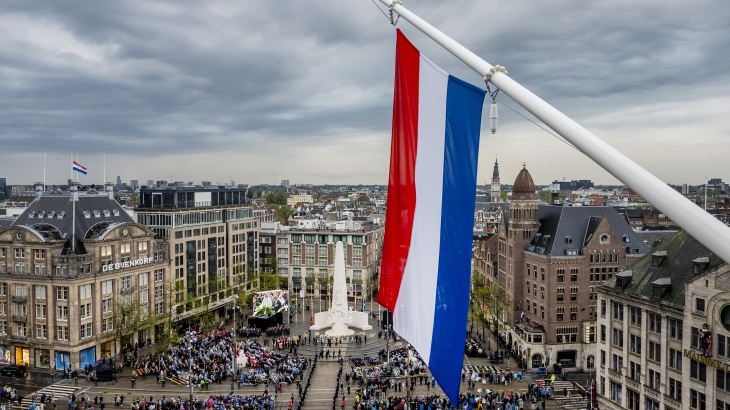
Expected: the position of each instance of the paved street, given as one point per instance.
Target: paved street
(320, 395)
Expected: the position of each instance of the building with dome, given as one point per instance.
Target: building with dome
(70, 264)
(550, 260)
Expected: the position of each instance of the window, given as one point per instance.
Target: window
(159, 275)
(618, 337)
(40, 292)
(723, 346)
(126, 282)
(40, 311)
(296, 249)
(107, 306)
(695, 338)
(3, 308)
(633, 400)
(282, 251)
(85, 291)
(603, 308)
(603, 357)
(296, 260)
(698, 371)
(699, 304)
(143, 279)
(322, 261)
(3, 328)
(651, 404)
(635, 316)
(603, 333)
(159, 291)
(125, 248)
(654, 379)
(106, 287)
(675, 389)
(310, 260)
(697, 400)
(357, 240)
(323, 249)
(107, 325)
(86, 311)
(615, 390)
(61, 292)
(618, 363)
(635, 344)
(19, 253)
(284, 261)
(309, 248)
(655, 351)
(560, 294)
(62, 313)
(86, 330)
(62, 332)
(722, 380)
(675, 329)
(282, 241)
(634, 371)
(357, 262)
(655, 323)
(41, 331)
(618, 311)
(61, 271)
(143, 296)
(675, 359)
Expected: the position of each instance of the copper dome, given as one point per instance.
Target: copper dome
(524, 188)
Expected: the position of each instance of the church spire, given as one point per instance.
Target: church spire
(495, 174)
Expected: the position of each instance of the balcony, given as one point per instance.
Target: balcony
(614, 374)
(128, 289)
(296, 279)
(20, 338)
(20, 318)
(19, 298)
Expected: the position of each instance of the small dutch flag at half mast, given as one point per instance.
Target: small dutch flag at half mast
(79, 168)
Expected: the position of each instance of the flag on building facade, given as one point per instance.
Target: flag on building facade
(79, 168)
(426, 263)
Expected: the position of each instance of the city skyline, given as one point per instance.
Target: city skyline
(159, 99)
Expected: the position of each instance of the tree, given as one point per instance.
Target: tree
(259, 194)
(363, 198)
(269, 281)
(277, 198)
(127, 317)
(249, 194)
(503, 195)
(283, 212)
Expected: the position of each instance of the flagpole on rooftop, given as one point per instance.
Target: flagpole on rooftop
(704, 227)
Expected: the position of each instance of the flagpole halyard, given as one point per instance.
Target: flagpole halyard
(704, 227)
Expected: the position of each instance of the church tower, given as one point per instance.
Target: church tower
(496, 187)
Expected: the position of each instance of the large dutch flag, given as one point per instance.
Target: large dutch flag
(79, 168)
(426, 264)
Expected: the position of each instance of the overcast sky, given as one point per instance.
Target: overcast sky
(302, 90)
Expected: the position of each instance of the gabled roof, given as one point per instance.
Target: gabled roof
(558, 223)
(676, 269)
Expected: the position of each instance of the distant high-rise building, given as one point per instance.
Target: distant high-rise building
(206, 184)
(685, 189)
(285, 183)
(119, 180)
(2, 189)
(232, 183)
(134, 183)
(162, 184)
(150, 183)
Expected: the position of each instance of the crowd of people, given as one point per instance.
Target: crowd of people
(249, 331)
(405, 361)
(228, 402)
(278, 330)
(503, 377)
(269, 367)
(505, 401)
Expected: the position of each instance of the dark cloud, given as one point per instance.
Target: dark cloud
(183, 79)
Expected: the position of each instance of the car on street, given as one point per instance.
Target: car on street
(12, 370)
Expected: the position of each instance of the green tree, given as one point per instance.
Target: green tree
(277, 198)
(503, 195)
(283, 212)
(249, 194)
(363, 198)
(269, 281)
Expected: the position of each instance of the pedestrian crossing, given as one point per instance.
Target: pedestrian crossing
(572, 403)
(481, 369)
(559, 385)
(60, 392)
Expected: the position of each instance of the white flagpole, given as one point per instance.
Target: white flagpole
(44, 170)
(704, 227)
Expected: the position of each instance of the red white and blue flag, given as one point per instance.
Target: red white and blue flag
(426, 264)
(79, 168)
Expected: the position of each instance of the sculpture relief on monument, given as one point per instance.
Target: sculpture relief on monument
(340, 317)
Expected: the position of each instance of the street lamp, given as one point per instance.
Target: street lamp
(235, 348)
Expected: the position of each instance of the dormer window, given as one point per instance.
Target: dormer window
(627, 238)
(658, 257)
(661, 287)
(107, 213)
(41, 214)
(61, 214)
(700, 264)
(571, 252)
(87, 214)
(116, 212)
(97, 214)
(51, 214)
(623, 278)
(568, 239)
(545, 239)
(31, 214)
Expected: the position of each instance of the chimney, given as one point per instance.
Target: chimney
(554, 197)
(109, 188)
(38, 190)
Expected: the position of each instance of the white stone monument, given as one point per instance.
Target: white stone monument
(340, 317)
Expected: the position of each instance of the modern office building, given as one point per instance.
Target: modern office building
(134, 183)
(213, 238)
(72, 266)
(3, 194)
(665, 331)
(305, 254)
